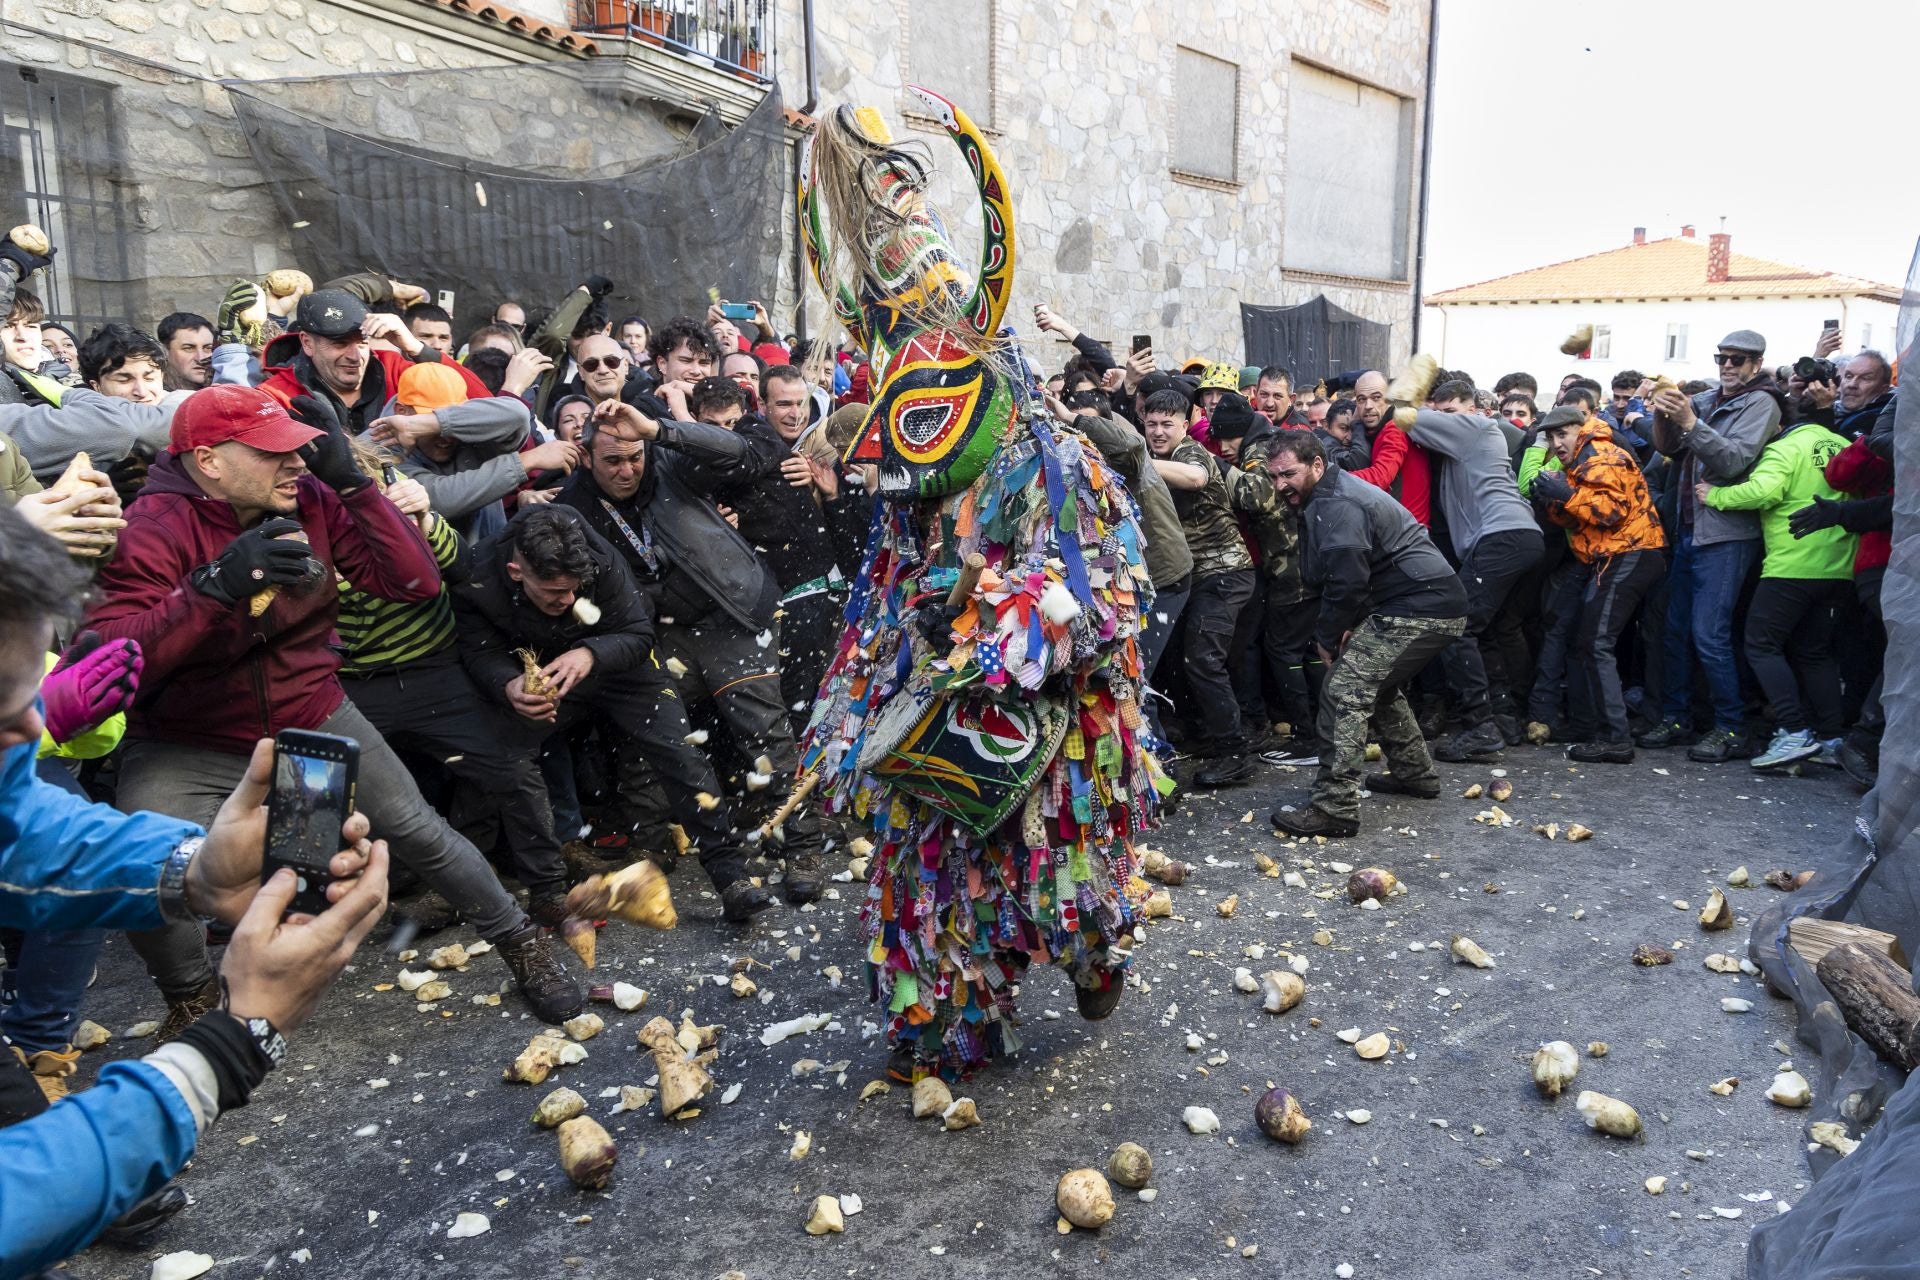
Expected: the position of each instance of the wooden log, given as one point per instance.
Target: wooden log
(970, 570)
(1813, 937)
(1876, 996)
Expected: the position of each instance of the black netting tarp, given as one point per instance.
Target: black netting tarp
(1861, 1219)
(518, 181)
(1313, 340)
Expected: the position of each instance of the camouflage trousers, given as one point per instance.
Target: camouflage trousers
(1364, 684)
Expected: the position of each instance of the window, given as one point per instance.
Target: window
(1676, 342)
(950, 51)
(1866, 337)
(1349, 176)
(1206, 117)
(1602, 342)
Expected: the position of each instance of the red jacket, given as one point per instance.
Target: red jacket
(1859, 471)
(282, 381)
(216, 677)
(1396, 458)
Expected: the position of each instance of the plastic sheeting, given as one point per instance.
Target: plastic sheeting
(517, 182)
(1313, 340)
(1862, 1216)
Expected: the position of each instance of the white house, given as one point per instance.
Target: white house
(1658, 306)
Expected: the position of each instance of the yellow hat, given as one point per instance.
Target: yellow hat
(1220, 377)
(426, 387)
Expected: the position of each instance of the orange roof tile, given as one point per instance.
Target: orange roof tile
(523, 24)
(1672, 268)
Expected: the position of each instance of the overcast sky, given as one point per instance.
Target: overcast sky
(1560, 125)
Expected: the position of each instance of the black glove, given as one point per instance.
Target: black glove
(230, 325)
(25, 264)
(1825, 513)
(254, 561)
(330, 457)
(935, 621)
(597, 286)
(1551, 486)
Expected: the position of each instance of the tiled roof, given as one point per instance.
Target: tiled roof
(1672, 268)
(523, 24)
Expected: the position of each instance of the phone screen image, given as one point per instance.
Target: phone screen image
(311, 799)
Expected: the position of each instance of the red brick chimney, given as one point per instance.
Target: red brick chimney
(1719, 257)
(1639, 235)
(1686, 232)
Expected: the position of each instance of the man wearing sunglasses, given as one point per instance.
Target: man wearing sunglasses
(1714, 438)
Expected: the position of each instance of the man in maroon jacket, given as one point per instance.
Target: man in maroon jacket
(248, 499)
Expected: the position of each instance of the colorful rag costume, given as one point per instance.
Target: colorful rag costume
(993, 740)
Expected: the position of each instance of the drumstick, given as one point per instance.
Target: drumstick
(969, 579)
(800, 792)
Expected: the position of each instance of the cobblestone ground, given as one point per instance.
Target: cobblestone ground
(389, 1120)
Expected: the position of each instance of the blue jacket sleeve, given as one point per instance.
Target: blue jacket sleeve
(74, 1168)
(67, 863)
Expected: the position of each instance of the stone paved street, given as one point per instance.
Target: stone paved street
(1462, 1170)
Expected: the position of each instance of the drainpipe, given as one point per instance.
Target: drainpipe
(1426, 170)
(807, 108)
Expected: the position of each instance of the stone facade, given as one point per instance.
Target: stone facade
(1084, 114)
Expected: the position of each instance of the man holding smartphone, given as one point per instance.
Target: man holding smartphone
(66, 863)
(220, 588)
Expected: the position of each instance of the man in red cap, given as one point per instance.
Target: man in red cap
(246, 500)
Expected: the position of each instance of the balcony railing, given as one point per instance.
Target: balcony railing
(735, 36)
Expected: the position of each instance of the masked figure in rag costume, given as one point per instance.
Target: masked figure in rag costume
(982, 712)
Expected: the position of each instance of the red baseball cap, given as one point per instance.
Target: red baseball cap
(228, 411)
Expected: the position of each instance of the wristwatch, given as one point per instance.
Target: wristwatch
(173, 882)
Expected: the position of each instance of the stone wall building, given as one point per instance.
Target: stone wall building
(1167, 164)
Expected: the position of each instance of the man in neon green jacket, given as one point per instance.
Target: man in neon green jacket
(1803, 582)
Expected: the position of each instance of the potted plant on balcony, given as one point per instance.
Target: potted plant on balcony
(752, 59)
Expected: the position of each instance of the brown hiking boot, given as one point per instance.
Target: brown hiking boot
(585, 860)
(182, 1014)
(548, 910)
(50, 1068)
(543, 979)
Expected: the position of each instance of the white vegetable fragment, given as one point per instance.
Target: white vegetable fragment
(468, 1225)
(793, 1027)
(1200, 1120)
(181, 1266)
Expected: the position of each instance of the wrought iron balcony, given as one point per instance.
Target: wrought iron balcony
(732, 36)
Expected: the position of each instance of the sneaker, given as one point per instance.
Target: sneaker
(1227, 771)
(1829, 753)
(1096, 1003)
(804, 882)
(50, 1068)
(182, 1014)
(1509, 727)
(1787, 747)
(1483, 742)
(1298, 752)
(1857, 763)
(742, 900)
(141, 1221)
(1718, 746)
(1601, 752)
(542, 978)
(1670, 734)
(1314, 822)
(1385, 784)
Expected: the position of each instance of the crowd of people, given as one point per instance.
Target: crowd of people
(570, 580)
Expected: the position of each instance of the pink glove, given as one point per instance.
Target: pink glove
(91, 682)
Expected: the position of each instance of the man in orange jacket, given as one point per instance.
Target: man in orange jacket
(1600, 497)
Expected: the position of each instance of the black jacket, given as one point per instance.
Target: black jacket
(686, 464)
(799, 538)
(493, 617)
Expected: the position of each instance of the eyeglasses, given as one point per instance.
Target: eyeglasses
(1732, 357)
(594, 364)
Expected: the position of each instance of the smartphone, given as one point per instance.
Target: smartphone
(445, 301)
(736, 310)
(313, 781)
(1829, 325)
(1142, 342)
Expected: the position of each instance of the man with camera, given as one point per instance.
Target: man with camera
(226, 576)
(68, 1173)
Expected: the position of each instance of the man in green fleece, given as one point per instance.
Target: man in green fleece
(1803, 583)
